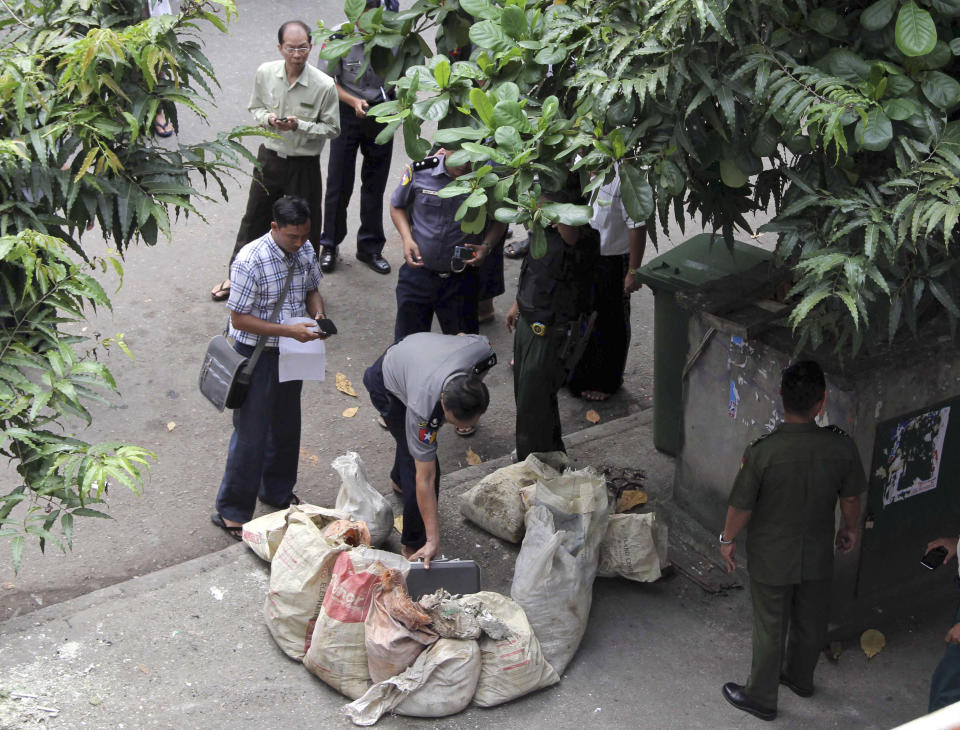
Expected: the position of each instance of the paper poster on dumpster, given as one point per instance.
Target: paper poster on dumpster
(914, 454)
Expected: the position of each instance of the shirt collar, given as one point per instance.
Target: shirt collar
(302, 80)
(799, 427)
(441, 169)
(278, 252)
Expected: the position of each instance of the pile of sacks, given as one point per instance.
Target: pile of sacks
(341, 607)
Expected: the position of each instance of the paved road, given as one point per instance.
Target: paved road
(166, 315)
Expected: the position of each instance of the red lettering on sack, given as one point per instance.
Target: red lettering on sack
(349, 594)
(516, 666)
(251, 537)
(511, 653)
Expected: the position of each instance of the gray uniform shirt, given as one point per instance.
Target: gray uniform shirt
(415, 371)
(433, 220)
(346, 71)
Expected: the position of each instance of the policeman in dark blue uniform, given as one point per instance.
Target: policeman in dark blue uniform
(359, 87)
(432, 280)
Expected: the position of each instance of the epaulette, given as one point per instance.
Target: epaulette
(837, 430)
(427, 163)
(336, 36)
(761, 437)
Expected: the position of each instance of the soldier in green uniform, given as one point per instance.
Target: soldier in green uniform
(787, 489)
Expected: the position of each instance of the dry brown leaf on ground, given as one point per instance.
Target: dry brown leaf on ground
(398, 523)
(872, 642)
(344, 385)
(473, 458)
(8, 586)
(312, 458)
(593, 416)
(172, 425)
(351, 412)
(631, 498)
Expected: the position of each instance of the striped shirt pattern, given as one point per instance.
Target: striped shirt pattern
(256, 280)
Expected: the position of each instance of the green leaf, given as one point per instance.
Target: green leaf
(487, 34)
(514, 22)
(636, 193)
(896, 309)
(416, 147)
(433, 109)
(480, 9)
(900, 108)
(806, 304)
(916, 33)
(482, 106)
(509, 139)
(16, 552)
(671, 179)
(878, 15)
(731, 174)
(943, 297)
(441, 73)
(354, 9)
(553, 53)
(538, 242)
(510, 114)
(876, 133)
(571, 215)
(942, 90)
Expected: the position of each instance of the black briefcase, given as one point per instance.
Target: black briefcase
(455, 576)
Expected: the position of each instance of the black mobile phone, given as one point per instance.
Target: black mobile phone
(281, 119)
(463, 253)
(327, 326)
(934, 558)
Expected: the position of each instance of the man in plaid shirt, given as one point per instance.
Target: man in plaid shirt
(265, 446)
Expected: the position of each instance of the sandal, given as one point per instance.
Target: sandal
(163, 129)
(221, 291)
(234, 531)
(466, 431)
(516, 250)
(594, 395)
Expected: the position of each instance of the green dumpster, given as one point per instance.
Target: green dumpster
(694, 262)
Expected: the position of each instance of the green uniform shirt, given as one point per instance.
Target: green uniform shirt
(312, 99)
(790, 480)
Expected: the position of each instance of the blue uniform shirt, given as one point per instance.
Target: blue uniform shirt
(432, 218)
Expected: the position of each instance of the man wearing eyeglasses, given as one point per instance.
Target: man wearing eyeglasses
(298, 102)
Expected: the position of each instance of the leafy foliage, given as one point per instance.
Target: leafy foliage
(835, 117)
(80, 84)
(45, 376)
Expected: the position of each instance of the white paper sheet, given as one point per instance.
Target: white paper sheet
(302, 360)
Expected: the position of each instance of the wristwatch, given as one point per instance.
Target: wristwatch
(726, 542)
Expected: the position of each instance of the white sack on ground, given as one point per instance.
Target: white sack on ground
(635, 547)
(358, 499)
(554, 574)
(336, 653)
(263, 535)
(494, 502)
(512, 666)
(299, 574)
(441, 682)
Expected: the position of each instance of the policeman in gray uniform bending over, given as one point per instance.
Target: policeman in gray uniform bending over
(419, 383)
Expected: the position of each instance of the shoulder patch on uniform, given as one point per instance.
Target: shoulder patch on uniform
(837, 430)
(761, 437)
(427, 163)
(407, 175)
(427, 433)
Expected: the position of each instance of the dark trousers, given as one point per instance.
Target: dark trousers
(404, 472)
(945, 682)
(795, 615)
(603, 362)
(277, 177)
(356, 134)
(421, 293)
(538, 374)
(264, 449)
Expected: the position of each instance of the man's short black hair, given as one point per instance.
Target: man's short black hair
(466, 397)
(283, 29)
(290, 210)
(802, 386)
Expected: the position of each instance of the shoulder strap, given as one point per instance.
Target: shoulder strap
(262, 339)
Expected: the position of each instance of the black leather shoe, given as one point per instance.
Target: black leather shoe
(328, 259)
(796, 688)
(734, 694)
(375, 261)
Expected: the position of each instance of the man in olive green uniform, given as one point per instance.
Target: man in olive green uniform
(787, 489)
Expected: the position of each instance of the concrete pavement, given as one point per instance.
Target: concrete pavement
(186, 646)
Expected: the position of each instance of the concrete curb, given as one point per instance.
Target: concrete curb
(160, 578)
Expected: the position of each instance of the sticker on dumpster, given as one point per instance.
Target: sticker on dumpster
(912, 450)
(734, 400)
